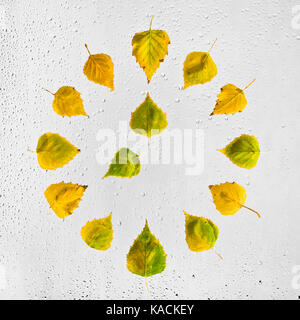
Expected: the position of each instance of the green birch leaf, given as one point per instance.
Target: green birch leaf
(148, 119)
(124, 164)
(243, 151)
(201, 233)
(98, 234)
(146, 256)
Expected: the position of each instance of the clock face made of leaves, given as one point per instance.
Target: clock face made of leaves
(146, 256)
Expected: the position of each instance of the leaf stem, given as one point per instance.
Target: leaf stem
(29, 150)
(151, 22)
(146, 283)
(48, 210)
(249, 84)
(251, 210)
(218, 254)
(212, 45)
(48, 91)
(87, 48)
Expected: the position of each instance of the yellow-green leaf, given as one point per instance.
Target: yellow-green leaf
(198, 67)
(201, 233)
(243, 151)
(67, 102)
(148, 119)
(229, 198)
(54, 151)
(150, 48)
(98, 234)
(146, 256)
(99, 68)
(64, 198)
(231, 100)
(124, 164)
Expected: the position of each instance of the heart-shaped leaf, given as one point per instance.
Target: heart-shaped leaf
(98, 234)
(54, 151)
(99, 68)
(64, 198)
(229, 198)
(243, 151)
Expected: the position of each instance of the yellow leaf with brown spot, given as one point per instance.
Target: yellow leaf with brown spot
(150, 48)
(67, 102)
(99, 68)
(54, 151)
(98, 234)
(229, 198)
(231, 100)
(64, 198)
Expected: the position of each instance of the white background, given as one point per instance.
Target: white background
(42, 45)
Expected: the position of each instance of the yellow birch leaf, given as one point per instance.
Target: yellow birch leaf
(148, 119)
(198, 67)
(98, 234)
(146, 256)
(150, 48)
(231, 100)
(99, 68)
(54, 151)
(229, 198)
(67, 102)
(201, 233)
(64, 198)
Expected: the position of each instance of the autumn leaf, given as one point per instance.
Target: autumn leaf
(201, 233)
(148, 119)
(146, 256)
(98, 234)
(150, 48)
(54, 151)
(198, 67)
(231, 100)
(64, 198)
(99, 68)
(229, 198)
(243, 151)
(124, 164)
(67, 102)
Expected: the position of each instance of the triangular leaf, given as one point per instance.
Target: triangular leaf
(54, 151)
(198, 67)
(201, 233)
(99, 68)
(243, 151)
(67, 102)
(64, 198)
(231, 100)
(146, 256)
(98, 234)
(148, 119)
(124, 164)
(229, 198)
(150, 48)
